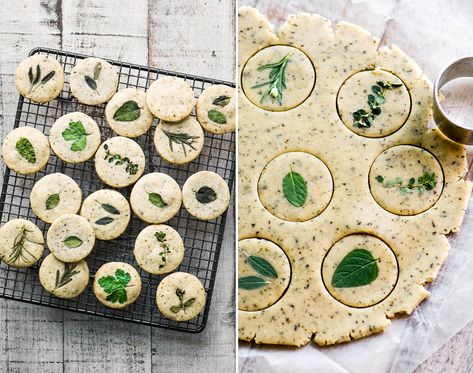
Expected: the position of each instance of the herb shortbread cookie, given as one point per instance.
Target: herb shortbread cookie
(108, 212)
(75, 137)
(93, 81)
(119, 162)
(205, 195)
(159, 249)
(39, 78)
(21, 243)
(117, 285)
(63, 280)
(70, 238)
(156, 198)
(180, 296)
(25, 150)
(216, 109)
(127, 113)
(55, 195)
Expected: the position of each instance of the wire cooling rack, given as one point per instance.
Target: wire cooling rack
(202, 240)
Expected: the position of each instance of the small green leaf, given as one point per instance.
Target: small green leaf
(221, 101)
(217, 116)
(128, 112)
(110, 209)
(72, 242)
(157, 200)
(38, 75)
(262, 266)
(90, 82)
(115, 286)
(30, 75)
(76, 132)
(380, 179)
(52, 201)
(175, 309)
(97, 70)
(188, 303)
(295, 188)
(48, 77)
(251, 282)
(205, 195)
(357, 268)
(104, 221)
(26, 150)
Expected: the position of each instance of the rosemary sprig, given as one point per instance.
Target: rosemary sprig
(182, 139)
(277, 79)
(427, 181)
(19, 250)
(182, 305)
(131, 168)
(161, 238)
(66, 277)
(363, 118)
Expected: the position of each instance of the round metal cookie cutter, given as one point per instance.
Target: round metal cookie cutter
(462, 68)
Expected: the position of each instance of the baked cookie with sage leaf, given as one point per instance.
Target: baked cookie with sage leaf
(159, 249)
(180, 296)
(216, 109)
(205, 195)
(21, 243)
(119, 162)
(55, 195)
(39, 78)
(108, 212)
(63, 280)
(156, 198)
(127, 113)
(70, 238)
(25, 150)
(93, 81)
(170, 98)
(75, 137)
(117, 285)
(179, 143)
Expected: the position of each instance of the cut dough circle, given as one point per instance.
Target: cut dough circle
(70, 238)
(108, 212)
(353, 95)
(221, 98)
(115, 272)
(170, 98)
(318, 180)
(159, 249)
(300, 78)
(405, 162)
(156, 198)
(169, 137)
(55, 195)
(93, 81)
(180, 285)
(42, 87)
(120, 109)
(19, 141)
(119, 162)
(63, 280)
(250, 252)
(21, 243)
(67, 137)
(375, 291)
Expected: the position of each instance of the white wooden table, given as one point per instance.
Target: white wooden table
(190, 36)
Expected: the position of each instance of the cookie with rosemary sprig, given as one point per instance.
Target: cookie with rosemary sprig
(216, 109)
(63, 280)
(39, 78)
(21, 243)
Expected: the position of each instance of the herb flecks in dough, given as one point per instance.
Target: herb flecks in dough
(277, 79)
(260, 266)
(66, 276)
(52, 201)
(19, 250)
(72, 242)
(182, 139)
(115, 286)
(295, 188)
(26, 150)
(34, 78)
(221, 101)
(161, 238)
(205, 195)
(363, 118)
(427, 181)
(128, 112)
(157, 200)
(357, 268)
(131, 168)
(182, 305)
(217, 116)
(92, 81)
(76, 133)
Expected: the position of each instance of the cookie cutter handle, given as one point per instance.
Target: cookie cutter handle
(462, 68)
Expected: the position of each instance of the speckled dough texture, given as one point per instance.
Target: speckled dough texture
(307, 310)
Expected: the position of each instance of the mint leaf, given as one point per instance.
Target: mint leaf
(295, 188)
(52, 201)
(157, 200)
(357, 268)
(128, 112)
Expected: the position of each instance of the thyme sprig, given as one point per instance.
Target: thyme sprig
(131, 168)
(276, 81)
(161, 238)
(427, 181)
(182, 305)
(66, 277)
(19, 250)
(182, 139)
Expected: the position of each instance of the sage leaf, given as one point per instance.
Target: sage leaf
(104, 221)
(175, 309)
(30, 75)
(72, 242)
(26, 150)
(52, 201)
(97, 70)
(90, 82)
(205, 195)
(217, 116)
(262, 266)
(48, 77)
(188, 303)
(110, 209)
(251, 282)
(295, 188)
(221, 101)
(357, 268)
(157, 200)
(38, 75)
(128, 112)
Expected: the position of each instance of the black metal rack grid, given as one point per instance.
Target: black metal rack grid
(202, 239)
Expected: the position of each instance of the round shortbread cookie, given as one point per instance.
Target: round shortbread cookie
(39, 78)
(55, 195)
(180, 296)
(216, 109)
